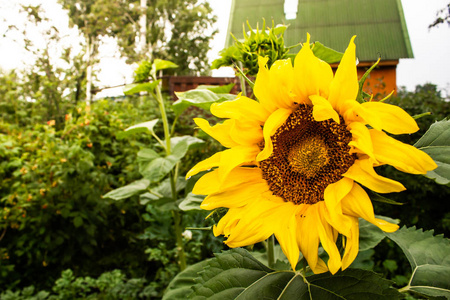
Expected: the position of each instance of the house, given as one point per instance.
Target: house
(378, 24)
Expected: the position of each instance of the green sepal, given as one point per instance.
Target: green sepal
(379, 198)
(436, 143)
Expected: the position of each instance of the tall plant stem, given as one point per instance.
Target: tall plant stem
(270, 251)
(176, 214)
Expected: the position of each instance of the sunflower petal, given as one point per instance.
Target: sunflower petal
(333, 195)
(352, 245)
(362, 171)
(242, 108)
(357, 204)
(326, 236)
(392, 118)
(312, 75)
(275, 120)
(308, 235)
(210, 182)
(322, 109)
(286, 232)
(345, 83)
(234, 157)
(206, 164)
(403, 157)
(235, 197)
(272, 87)
(220, 132)
(361, 141)
(244, 133)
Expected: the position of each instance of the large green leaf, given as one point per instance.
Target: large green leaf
(146, 127)
(235, 274)
(202, 98)
(429, 257)
(134, 88)
(436, 143)
(219, 89)
(128, 190)
(326, 54)
(190, 141)
(180, 286)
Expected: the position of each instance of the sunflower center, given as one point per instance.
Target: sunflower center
(307, 157)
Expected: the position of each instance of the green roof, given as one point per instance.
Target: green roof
(379, 24)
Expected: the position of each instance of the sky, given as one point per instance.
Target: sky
(431, 47)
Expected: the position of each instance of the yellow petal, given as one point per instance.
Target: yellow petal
(236, 196)
(253, 226)
(403, 157)
(333, 195)
(286, 231)
(308, 235)
(326, 236)
(273, 87)
(312, 75)
(322, 109)
(275, 120)
(220, 132)
(361, 141)
(357, 204)
(352, 245)
(244, 133)
(242, 108)
(206, 164)
(234, 157)
(210, 182)
(345, 83)
(392, 118)
(362, 171)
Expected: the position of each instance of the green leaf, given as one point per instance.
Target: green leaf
(128, 190)
(146, 127)
(147, 154)
(191, 202)
(77, 221)
(370, 235)
(364, 260)
(191, 141)
(235, 274)
(218, 89)
(135, 88)
(436, 143)
(429, 258)
(361, 93)
(199, 98)
(326, 54)
(156, 169)
(160, 64)
(180, 286)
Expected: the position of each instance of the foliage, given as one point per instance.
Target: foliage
(176, 30)
(109, 285)
(442, 16)
(258, 42)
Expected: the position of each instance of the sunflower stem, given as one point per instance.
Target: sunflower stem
(172, 175)
(271, 251)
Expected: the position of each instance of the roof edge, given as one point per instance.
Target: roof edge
(405, 30)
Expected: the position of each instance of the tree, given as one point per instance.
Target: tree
(94, 18)
(176, 30)
(442, 16)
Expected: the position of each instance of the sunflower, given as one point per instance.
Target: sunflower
(297, 158)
